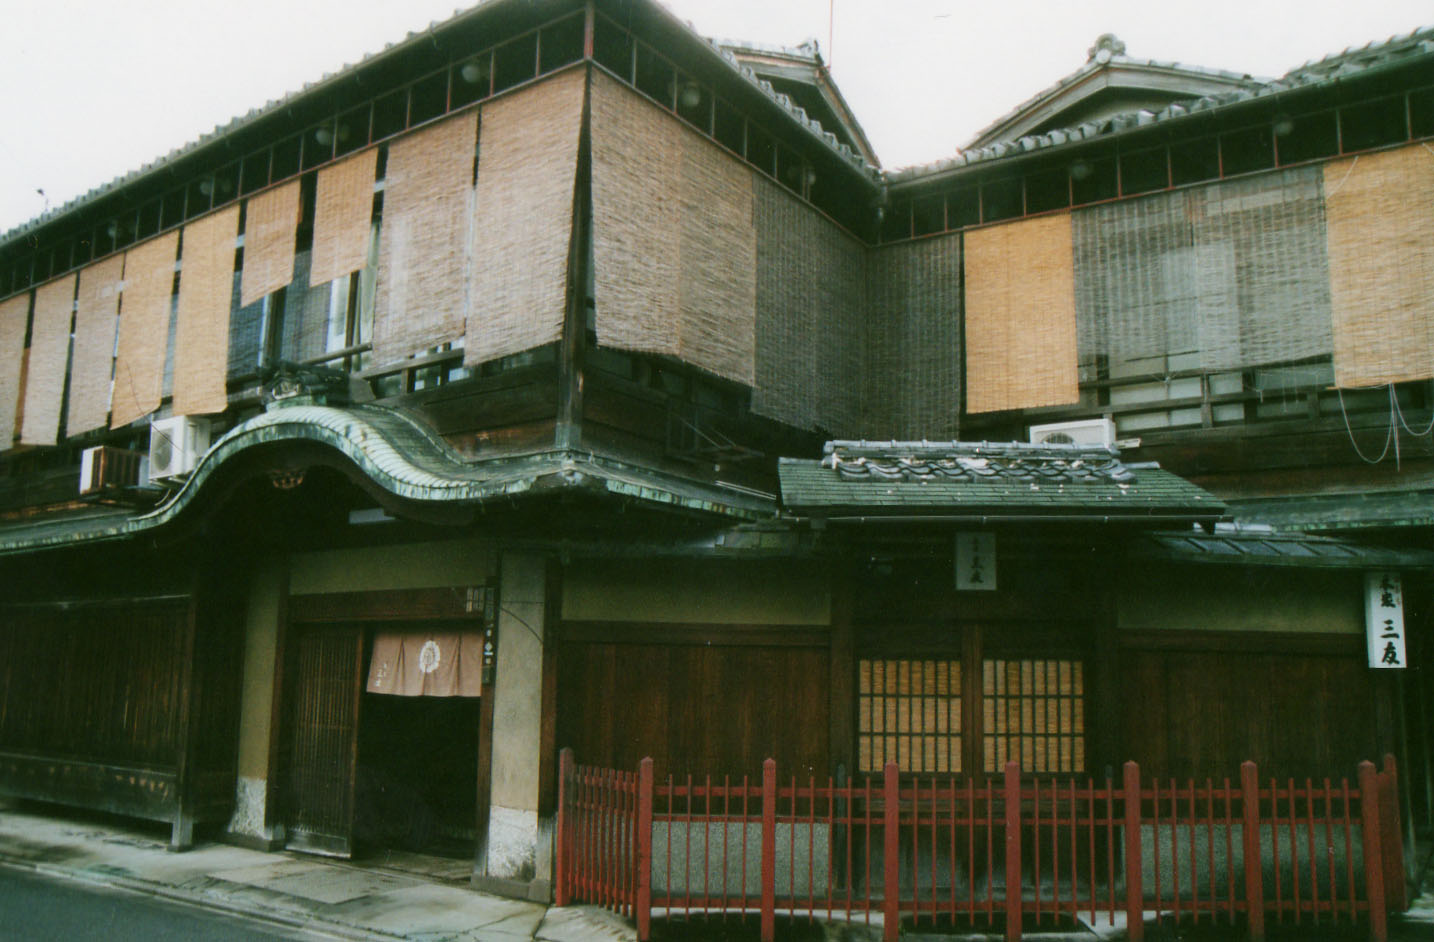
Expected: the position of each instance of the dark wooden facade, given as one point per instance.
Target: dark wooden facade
(126, 704)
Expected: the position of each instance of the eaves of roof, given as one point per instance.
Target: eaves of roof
(406, 459)
(393, 50)
(1333, 513)
(990, 482)
(808, 59)
(1374, 57)
(1116, 64)
(1289, 550)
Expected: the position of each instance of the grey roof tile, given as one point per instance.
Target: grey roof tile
(994, 478)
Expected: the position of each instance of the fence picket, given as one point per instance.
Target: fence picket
(864, 846)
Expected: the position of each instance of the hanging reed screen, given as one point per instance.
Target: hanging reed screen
(914, 340)
(1033, 712)
(528, 155)
(270, 221)
(1219, 277)
(92, 366)
(343, 208)
(14, 314)
(811, 283)
(49, 353)
(201, 339)
(426, 244)
(143, 328)
(1020, 316)
(674, 239)
(909, 712)
(1381, 247)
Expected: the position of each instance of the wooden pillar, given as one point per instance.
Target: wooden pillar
(842, 669)
(1105, 720)
(181, 832)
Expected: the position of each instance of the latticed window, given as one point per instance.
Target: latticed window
(1034, 713)
(909, 712)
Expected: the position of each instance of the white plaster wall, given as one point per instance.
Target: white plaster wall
(1226, 598)
(704, 592)
(407, 566)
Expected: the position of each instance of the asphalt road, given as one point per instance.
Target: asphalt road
(38, 908)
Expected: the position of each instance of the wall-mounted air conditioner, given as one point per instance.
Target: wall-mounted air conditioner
(106, 468)
(175, 446)
(1099, 432)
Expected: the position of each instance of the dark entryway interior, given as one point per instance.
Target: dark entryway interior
(417, 767)
(368, 774)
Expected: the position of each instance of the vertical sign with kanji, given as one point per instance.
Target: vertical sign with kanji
(1384, 619)
(975, 561)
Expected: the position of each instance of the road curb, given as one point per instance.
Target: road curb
(313, 923)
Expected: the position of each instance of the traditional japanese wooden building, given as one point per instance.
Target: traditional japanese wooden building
(554, 379)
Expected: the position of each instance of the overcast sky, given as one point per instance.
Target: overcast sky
(95, 88)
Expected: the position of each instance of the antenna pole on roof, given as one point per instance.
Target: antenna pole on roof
(831, 16)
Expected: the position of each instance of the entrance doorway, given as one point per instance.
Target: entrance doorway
(370, 767)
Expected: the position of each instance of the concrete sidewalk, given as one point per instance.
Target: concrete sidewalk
(288, 891)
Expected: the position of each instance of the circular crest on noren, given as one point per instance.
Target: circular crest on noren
(429, 657)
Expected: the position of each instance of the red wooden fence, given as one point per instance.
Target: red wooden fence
(1006, 852)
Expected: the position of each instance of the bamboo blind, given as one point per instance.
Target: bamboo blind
(96, 318)
(637, 225)
(914, 340)
(718, 261)
(343, 208)
(909, 712)
(1020, 316)
(523, 229)
(1034, 713)
(811, 318)
(1381, 248)
(426, 243)
(143, 328)
(206, 288)
(270, 223)
(1266, 235)
(675, 239)
(14, 314)
(1225, 276)
(49, 353)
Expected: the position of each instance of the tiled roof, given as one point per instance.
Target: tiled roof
(986, 479)
(1337, 67)
(405, 458)
(1327, 513)
(1113, 58)
(411, 40)
(1269, 548)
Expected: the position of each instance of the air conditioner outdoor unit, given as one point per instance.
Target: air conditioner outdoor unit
(175, 446)
(1099, 432)
(105, 468)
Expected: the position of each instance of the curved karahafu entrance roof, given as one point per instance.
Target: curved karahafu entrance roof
(402, 457)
